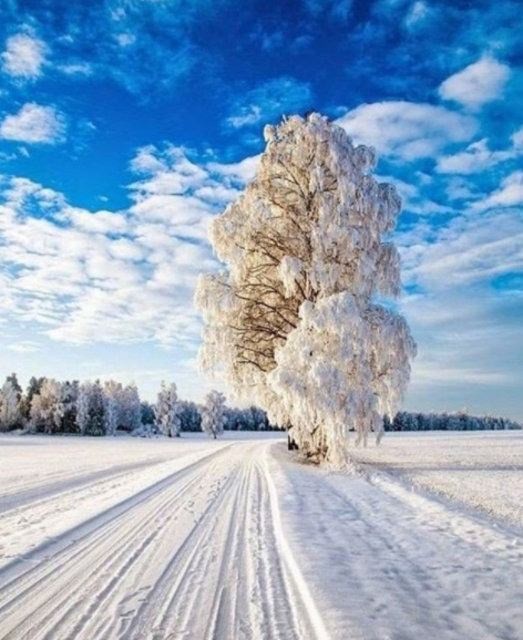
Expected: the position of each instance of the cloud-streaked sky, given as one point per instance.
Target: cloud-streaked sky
(125, 125)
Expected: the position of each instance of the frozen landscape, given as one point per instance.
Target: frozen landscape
(233, 538)
(261, 292)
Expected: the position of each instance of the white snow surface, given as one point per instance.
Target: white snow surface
(195, 539)
(483, 470)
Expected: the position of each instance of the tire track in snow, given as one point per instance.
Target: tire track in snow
(290, 562)
(216, 584)
(28, 498)
(79, 555)
(195, 555)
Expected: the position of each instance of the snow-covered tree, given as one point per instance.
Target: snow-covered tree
(68, 400)
(113, 400)
(213, 414)
(167, 411)
(10, 410)
(293, 320)
(90, 409)
(13, 379)
(32, 389)
(131, 409)
(47, 408)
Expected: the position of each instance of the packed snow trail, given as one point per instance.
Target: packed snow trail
(234, 540)
(195, 555)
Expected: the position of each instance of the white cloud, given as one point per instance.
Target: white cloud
(417, 15)
(24, 346)
(80, 69)
(470, 249)
(477, 84)
(476, 157)
(517, 139)
(24, 56)
(34, 124)
(269, 101)
(406, 129)
(114, 277)
(509, 194)
(242, 171)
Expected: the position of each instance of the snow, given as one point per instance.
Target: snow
(195, 538)
(480, 469)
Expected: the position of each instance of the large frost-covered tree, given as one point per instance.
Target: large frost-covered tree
(293, 320)
(167, 411)
(213, 414)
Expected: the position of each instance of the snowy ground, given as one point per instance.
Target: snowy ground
(483, 469)
(194, 539)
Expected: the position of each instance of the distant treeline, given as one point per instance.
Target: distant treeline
(404, 421)
(97, 409)
(103, 408)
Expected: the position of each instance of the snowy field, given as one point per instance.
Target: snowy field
(481, 469)
(232, 539)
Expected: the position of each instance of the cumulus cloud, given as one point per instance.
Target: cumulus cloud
(407, 130)
(34, 123)
(24, 56)
(269, 101)
(477, 84)
(115, 277)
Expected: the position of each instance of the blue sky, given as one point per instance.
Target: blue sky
(125, 125)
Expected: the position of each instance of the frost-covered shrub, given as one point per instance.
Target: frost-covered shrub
(292, 320)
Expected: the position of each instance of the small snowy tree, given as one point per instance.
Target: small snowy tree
(214, 414)
(68, 401)
(10, 411)
(131, 408)
(90, 409)
(293, 321)
(167, 411)
(47, 407)
(32, 389)
(113, 398)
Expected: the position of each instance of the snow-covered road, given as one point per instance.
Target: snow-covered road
(229, 540)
